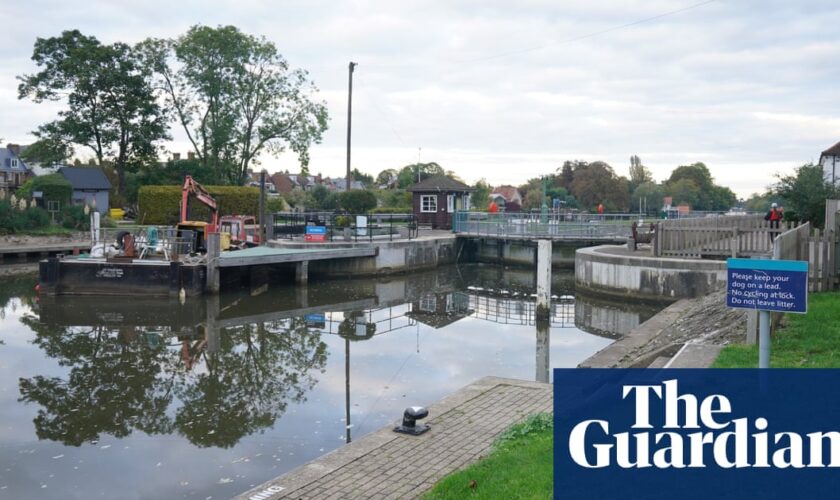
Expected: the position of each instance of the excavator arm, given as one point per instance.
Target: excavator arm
(193, 189)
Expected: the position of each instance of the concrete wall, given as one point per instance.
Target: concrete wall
(519, 253)
(393, 257)
(611, 271)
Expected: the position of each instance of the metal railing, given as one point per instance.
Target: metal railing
(555, 225)
(345, 226)
(150, 243)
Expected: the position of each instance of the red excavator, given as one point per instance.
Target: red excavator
(200, 229)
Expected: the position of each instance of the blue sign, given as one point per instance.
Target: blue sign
(767, 285)
(316, 230)
(696, 434)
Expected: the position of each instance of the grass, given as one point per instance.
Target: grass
(809, 340)
(51, 230)
(519, 466)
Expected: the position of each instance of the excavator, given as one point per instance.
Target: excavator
(235, 231)
(199, 229)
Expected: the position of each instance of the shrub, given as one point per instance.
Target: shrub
(357, 201)
(54, 187)
(162, 204)
(13, 220)
(73, 217)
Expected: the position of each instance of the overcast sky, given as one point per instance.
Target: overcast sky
(507, 90)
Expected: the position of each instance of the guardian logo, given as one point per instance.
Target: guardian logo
(697, 433)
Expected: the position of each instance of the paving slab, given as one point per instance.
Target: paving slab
(385, 464)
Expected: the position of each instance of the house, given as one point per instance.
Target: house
(830, 162)
(13, 170)
(507, 198)
(435, 200)
(90, 186)
(339, 184)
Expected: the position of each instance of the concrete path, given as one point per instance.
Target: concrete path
(389, 465)
(695, 356)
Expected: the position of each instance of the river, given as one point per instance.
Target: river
(120, 397)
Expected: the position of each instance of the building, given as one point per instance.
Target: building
(90, 186)
(435, 200)
(507, 198)
(13, 170)
(830, 162)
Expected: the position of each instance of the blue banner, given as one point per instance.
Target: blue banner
(316, 230)
(696, 434)
(767, 285)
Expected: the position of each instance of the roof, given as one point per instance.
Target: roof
(509, 193)
(85, 177)
(440, 183)
(832, 151)
(6, 157)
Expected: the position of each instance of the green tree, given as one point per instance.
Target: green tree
(596, 183)
(384, 177)
(417, 172)
(759, 202)
(567, 174)
(685, 191)
(805, 193)
(324, 198)
(693, 184)
(639, 174)
(480, 198)
(357, 201)
(236, 98)
(365, 179)
(110, 105)
(48, 151)
(648, 194)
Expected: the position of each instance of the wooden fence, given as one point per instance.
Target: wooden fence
(815, 246)
(720, 237)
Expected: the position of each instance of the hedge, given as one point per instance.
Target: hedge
(54, 186)
(162, 204)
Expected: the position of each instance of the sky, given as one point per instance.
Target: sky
(506, 91)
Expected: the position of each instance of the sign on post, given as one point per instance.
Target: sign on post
(315, 233)
(767, 285)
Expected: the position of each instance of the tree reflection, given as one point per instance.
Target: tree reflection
(119, 381)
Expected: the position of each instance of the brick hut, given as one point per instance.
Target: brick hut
(435, 200)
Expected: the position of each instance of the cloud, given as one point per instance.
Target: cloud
(504, 91)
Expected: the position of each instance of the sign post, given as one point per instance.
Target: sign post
(767, 286)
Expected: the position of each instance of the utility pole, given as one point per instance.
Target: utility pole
(349, 117)
(419, 150)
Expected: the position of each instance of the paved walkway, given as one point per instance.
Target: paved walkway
(389, 465)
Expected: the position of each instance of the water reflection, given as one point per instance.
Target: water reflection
(298, 366)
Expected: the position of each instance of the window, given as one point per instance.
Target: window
(428, 203)
(14, 163)
(467, 202)
(450, 203)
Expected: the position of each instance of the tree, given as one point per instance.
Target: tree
(480, 198)
(236, 97)
(48, 151)
(417, 172)
(805, 193)
(596, 183)
(357, 201)
(384, 178)
(324, 198)
(693, 184)
(567, 174)
(639, 174)
(110, 105)
(650, 195)
(365, 179)
(685, 191)
(759, 202)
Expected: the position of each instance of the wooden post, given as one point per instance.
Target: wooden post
(543, 351)
(213, 255)
(735, 242)
(543, 279)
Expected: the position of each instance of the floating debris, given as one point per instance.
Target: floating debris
(57, 457)
(225, 480)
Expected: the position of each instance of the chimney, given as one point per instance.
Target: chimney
(176, 156)
(191, 156)
(15, 148)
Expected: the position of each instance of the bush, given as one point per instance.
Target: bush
(54, 186)
(276, 204)
(13, 220)
(73, 217)
(162, 204)
(357, 201)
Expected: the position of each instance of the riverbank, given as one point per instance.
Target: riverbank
(809, 340)
(690, 327)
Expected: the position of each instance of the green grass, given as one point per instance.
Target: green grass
(806, 340)
(519, 466)
(50, 230)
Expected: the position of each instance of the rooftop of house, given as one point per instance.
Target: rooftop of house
(832, 151)
(11, 162)
(440, 183)
(509, 193)
(86, 177)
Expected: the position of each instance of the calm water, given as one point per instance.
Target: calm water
(117, 397)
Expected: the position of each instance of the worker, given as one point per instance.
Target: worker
(774, 217)
(600, 209)
(493, 208)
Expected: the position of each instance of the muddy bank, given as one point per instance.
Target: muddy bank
(19, 269)
(701, 321)
(14, 240)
